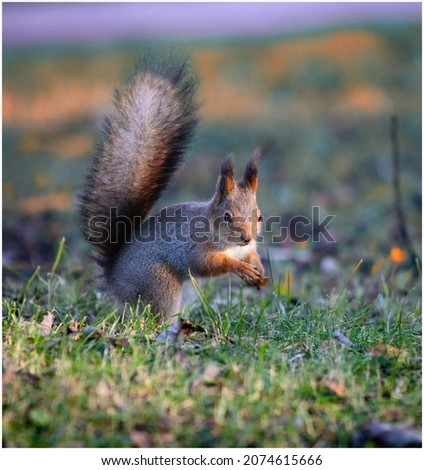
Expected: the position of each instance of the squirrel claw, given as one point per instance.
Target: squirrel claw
(252, 276)
(263, 281)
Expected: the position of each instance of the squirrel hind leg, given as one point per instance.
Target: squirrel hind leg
(168, 307)
(164, 298)
(140, 277)
(163, 293)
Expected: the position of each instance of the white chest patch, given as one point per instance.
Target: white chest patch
(240, 252)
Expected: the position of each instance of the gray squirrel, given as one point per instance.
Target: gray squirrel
(145, 258)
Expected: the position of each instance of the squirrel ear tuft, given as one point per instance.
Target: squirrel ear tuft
(226, 181)
(251, 171)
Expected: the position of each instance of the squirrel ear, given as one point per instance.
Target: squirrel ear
(226, 181)
(251, 171)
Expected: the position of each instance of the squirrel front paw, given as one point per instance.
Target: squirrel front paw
(251, 274)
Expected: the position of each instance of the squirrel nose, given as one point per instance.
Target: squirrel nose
(245, 237)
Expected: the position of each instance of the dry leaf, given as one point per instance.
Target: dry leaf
(386, 350)
(8, 375)
(209, 376)
(74, 326)
(140, 438)
(337, 388)
(211, 373)
(74, 330)
(77, 331)
(189, 328)
(75, 336)
(392, 414)
(47, 323)
(118, 341)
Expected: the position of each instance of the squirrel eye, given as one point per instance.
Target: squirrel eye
(260, 218)
(227, 217)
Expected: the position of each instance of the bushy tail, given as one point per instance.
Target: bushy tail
(145, 139)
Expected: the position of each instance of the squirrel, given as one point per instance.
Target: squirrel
(147, 258)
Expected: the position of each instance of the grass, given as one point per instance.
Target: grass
(267, 371)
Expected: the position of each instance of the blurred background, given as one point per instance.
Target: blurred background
(315, 84)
